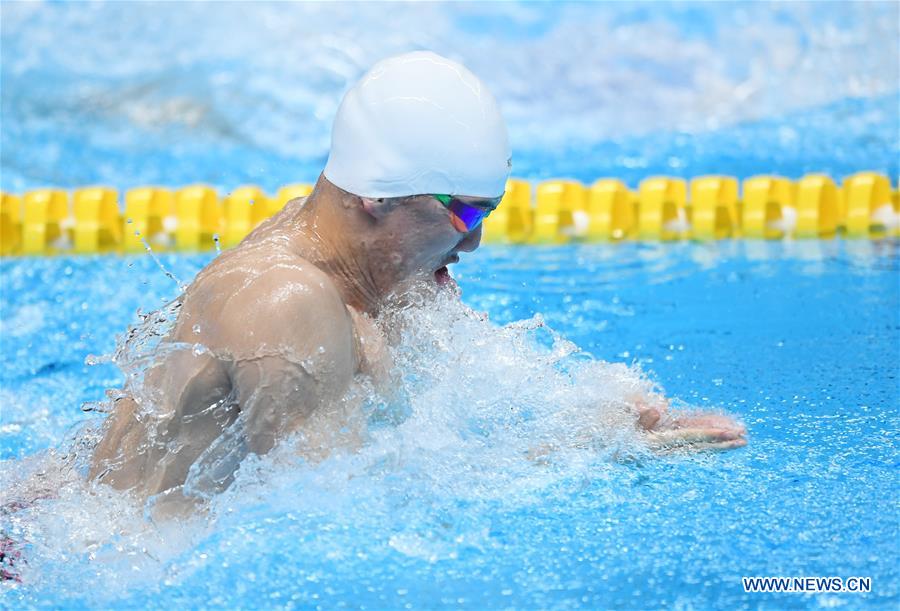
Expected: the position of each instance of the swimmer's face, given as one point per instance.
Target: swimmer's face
(417, 239)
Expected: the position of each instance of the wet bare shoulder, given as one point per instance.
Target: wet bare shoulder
(267, 304)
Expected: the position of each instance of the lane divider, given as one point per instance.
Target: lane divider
(149, 216)
(92, 219)
(199, 218)
(713, 208)
(768, 209)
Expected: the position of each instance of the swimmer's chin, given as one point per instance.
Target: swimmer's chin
(424, 287)
(430, 281)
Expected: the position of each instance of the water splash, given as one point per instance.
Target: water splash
(473, 400)
(149, 250)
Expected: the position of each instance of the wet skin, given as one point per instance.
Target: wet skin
(285, 322)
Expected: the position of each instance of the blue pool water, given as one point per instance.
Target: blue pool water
(442, 509)
(798, 339)
(233, 93)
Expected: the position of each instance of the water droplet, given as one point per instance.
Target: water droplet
(196, 329)
(91, 406)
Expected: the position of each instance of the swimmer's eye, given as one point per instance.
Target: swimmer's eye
(469, 216)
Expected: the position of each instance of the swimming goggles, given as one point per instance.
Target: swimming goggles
(464, 216)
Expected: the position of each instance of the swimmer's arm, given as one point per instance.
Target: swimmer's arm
(663, 431)
(294, 354)
(666, 431)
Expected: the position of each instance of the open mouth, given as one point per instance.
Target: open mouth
(442, 274)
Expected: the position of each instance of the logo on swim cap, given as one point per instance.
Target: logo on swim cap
(419, 123)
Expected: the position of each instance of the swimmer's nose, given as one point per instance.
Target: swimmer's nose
(471, 240)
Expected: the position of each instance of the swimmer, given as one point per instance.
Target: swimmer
(285, 320)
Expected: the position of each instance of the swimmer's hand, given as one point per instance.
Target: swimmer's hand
(666, 433)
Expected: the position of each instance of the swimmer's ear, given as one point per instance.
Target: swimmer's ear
(368, 204)
(376, 208)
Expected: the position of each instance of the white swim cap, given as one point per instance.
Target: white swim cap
(419, 123)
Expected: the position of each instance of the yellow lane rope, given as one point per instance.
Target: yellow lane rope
(94, 219)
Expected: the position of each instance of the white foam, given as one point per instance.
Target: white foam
(576, 72)
(886, 216)
(475, 401)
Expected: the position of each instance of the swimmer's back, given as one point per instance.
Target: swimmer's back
(278, 345)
